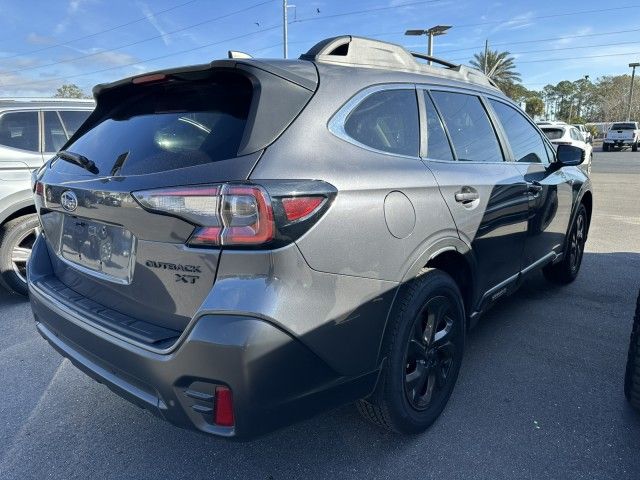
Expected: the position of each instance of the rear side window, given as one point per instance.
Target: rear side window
(525, 141)
(438, 146)
(54, 135)
(471, 131)
(169, 126)
(20, 130)
(386, 121)
(72, 119)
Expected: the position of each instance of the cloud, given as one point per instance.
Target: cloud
(570, 38)
(515, 23)
(73, 7)
(109, 58)
(151, 18)
(35, 39)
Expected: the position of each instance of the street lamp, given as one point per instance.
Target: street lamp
(633, 74)
(430, 33)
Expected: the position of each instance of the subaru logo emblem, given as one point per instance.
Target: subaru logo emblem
(69, 201)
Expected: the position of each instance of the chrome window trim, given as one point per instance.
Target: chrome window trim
(337, 121)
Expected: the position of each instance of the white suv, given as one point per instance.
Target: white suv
(31, 131)
(563, 134)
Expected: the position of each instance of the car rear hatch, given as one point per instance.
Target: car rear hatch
(147, 170)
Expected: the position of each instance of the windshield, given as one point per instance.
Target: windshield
(553, 133)
(169, 126)
(623, 126)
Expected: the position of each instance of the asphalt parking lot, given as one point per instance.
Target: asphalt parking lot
(539, 395)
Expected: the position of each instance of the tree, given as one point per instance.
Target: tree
(498, 66)
(535, 106)
(70, 90)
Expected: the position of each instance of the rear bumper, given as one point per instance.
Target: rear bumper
(619, 142)
(275, 380)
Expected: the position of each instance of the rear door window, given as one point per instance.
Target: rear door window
(472, 134)
(525, 141)
(169, 126)
(438, 147)
(20, 130)
(386, 121)
(54, 134)
(72, 119)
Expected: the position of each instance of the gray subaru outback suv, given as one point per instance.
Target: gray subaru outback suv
(31, 131)
(239, 245)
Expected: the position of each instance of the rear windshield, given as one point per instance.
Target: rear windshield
(623, 126)
(168, 126)
(553, 133)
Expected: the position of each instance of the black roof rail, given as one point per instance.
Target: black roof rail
(433, 59)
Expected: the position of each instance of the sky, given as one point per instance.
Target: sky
(44, 44)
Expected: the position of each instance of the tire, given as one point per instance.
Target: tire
(423, 350)
(632, 372)
(634, 147)
(567, 269)
(605, 147)
(16, 239)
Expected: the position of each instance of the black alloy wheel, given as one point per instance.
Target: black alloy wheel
(430, 353)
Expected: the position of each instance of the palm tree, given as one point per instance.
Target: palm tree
(498, 66)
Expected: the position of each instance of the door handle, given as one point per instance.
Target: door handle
(534, 187)
(466, 196)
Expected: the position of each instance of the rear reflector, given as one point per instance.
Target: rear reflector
(296, 208)
(223, 414)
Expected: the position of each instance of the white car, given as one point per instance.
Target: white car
(563, 134)
(586, 134)
(620, 135)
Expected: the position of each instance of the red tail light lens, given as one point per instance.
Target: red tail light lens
(39, 189)
(226, 214)
(296, 208)
(223, 413)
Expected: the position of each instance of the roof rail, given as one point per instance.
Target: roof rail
(350, 50)
(45, 99)
(433, 59)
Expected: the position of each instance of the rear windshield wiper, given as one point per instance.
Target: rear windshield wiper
(78, 159)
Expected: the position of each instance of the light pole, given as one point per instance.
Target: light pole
(633, 75)
(430, 33)
(285, 23)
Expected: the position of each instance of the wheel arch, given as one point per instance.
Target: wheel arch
(453, 256)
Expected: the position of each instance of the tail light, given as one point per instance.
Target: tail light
(39, 188)
(238, 215)
(226, 214)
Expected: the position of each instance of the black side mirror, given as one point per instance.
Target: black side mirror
(569, 156)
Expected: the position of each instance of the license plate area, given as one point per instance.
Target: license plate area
(98, 248)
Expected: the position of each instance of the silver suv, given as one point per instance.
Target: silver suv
(239, 245)
(31, 131)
